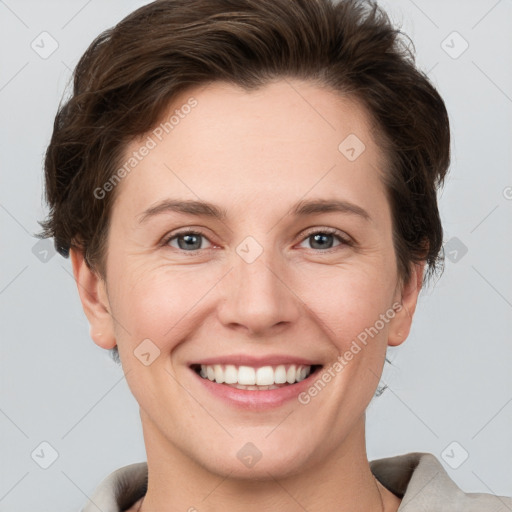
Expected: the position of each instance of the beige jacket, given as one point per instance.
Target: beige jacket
(417, 478)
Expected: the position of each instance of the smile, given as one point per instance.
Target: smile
(250, 378)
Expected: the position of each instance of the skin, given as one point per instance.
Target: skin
(254, 154)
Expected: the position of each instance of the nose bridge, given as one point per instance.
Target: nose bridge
(257, 296)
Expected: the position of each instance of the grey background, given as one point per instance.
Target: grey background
(450, 382)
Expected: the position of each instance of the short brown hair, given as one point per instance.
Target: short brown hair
(127, 77)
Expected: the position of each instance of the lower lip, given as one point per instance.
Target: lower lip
(252, 399)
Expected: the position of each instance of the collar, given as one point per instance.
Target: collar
(417, 478)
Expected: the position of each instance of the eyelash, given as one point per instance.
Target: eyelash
(342, 238)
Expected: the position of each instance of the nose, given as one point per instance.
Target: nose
(257, 297)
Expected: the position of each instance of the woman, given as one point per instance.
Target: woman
(247, 191)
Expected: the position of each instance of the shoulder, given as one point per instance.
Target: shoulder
(120, 489)
(422, 483)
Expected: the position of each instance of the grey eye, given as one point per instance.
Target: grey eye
(189, 241)
(321, 240)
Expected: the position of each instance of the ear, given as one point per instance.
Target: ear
(94, 298)
(407, 297)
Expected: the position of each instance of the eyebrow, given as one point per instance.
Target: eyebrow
(303, 208)
(206, 209)
(198, 208)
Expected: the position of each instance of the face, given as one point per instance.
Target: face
(287, 270)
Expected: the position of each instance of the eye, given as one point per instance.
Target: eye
(320, 239)
(324, 239)
(187, 240)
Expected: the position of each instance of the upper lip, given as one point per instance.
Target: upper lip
(255, 361)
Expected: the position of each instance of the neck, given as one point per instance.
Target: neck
(341, 482)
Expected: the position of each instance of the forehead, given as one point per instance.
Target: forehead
(224, 144)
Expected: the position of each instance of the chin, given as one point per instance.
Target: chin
(257, 460)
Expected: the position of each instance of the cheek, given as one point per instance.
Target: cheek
(159, 303)
(348, 301)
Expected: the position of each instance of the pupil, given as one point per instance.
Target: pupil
(321, 238)
(191, 241)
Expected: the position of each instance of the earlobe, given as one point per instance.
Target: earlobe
(94, 299)
(400, 325)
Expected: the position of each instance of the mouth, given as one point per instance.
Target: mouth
(250, 378)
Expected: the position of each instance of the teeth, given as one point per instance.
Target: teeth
(247, 377)
(280, 374)
(265, 376)
(219, 374)
(230, 374)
